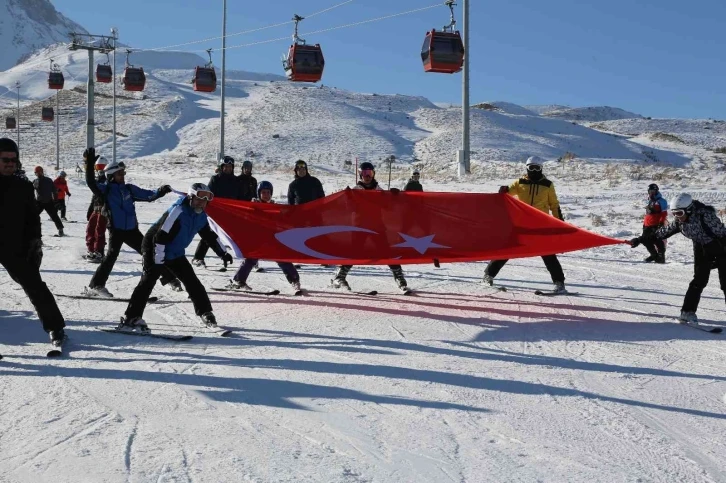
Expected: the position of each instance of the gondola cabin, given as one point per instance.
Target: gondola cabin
(442, 52)
(205, 79)
(104, 74)
(10, 123)
(47, 114)
(305, 63)
(134, 79)
(55, 80)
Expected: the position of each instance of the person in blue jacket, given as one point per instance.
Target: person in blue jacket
(119, 198)
(164, 247)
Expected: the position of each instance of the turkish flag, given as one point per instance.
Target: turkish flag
(357, 227)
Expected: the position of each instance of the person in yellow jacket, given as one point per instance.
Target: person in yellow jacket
(537, 191)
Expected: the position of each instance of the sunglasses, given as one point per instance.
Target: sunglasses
(678, 213)
(9, 160)
(366, 172)
(534, 167)
(204, 195)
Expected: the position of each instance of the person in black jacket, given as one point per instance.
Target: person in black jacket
(304, 188)
(46, 196)
(414, 184)
(20, 241)
(223, 184)
(248, 182)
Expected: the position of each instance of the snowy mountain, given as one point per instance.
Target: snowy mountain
(592, 114)
(29, 25)
(706, 133)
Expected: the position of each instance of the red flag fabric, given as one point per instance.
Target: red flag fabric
(357, 227)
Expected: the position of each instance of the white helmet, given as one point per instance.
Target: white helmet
(535, 160)
(682, 202)
(113, 167)
(201, 190)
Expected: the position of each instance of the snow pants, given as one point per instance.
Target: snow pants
(96, 232)
(397, 271)
(705, 258)
(116, 239)
(27, 275)
(60, 205)
(52, 212)
(244, 270)
(652, 244)
(201, 251)
(182, 269)
(550, 261)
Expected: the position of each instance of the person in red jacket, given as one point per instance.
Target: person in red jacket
(62, 186)
(656, 216)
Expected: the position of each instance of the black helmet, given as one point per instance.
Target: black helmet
(653, 186)
(247, 164)
(301, 164)
(366, 165)
(227, 160)
(7, 144)
(264, 185)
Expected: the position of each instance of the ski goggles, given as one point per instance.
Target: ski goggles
(9, 160)
(678, 213)
(534, 167)
(204, 195)
(227, 161)
(301, 165)
(366, 172)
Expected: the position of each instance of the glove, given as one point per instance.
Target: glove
(69, 195)
(90, 155)
(395, 190)
(35, 252)
(634, 242)
(503, 189)
(165, 190)
(227, 258)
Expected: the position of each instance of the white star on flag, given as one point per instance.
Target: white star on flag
(419, 244)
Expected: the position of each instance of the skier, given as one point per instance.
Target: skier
(119, 198)
(539, 192)
(656, 215)
(413, 183)
(304, 188)
(248, 182)
(97, 217)
(700, 224)
(239, 282)
(20, 241)
(61, 186)
(46, 196)
(223, 184)
(367, 175)
(163, 249)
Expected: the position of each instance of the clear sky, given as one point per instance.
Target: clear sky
(660, 58)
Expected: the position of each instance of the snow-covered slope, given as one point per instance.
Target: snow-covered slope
(590, 114)
(29, 25)
(706, 133)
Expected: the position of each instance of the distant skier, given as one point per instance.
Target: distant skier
(46, 196)
(164, 249)
(61, 186)
(224, 184)
(413, 183)
(20, 241)
(97, 217)
(304, 188)
(700, 224)
(367, 181)
(248, 183)
(656, 216)
(539, 192)
(239, 282)
(119, 198)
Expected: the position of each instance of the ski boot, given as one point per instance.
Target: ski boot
(133, 324)
(487, 279)
(98, 292)
(660, 259)
(559, 288)
(650, 259)
(338, 280)
(57, 337)
(209, 320)
(236, 285)
(688, 318)
(296, 286)
(400, 280)
(199, 262)
(175, 285)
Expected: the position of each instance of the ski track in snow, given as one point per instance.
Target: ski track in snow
(458, 382)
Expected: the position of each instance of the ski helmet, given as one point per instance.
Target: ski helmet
(416, 172)
(264, 185)
(201, 190)
(62, 174)
(653, 187)
(101, 163)
(8, 145)
(300, 164)
(366, 165)
(247, 164)
(227, 160)
(683, 202)
(536, 160)
(112, 168)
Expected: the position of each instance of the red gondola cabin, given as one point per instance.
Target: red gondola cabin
(104, 74)
(305, 63)
(134, 79)
(55, 80)
(205, 79)
(10, 123)
(47, 114)
(442, 52)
